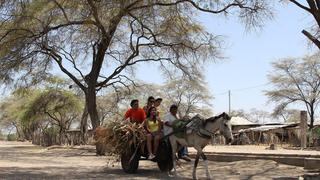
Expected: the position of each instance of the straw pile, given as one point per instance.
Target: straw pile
(118, 136)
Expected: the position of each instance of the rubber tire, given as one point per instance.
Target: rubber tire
(133, 165)
(164, 156)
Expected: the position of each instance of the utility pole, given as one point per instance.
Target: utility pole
(229, 93)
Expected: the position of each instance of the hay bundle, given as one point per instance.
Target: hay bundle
(118, 136)
(100, 135)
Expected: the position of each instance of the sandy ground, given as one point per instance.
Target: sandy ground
(21, 160)
(260, 149)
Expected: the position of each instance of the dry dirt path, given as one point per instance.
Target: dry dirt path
(21, 160)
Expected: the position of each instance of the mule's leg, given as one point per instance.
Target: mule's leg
(204, 157)
(174, 150)
(194, 173)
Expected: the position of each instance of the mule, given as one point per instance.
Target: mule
(200, 136)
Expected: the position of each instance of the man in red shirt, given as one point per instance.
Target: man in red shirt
(135, 114)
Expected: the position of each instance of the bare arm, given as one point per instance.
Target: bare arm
(146, 125)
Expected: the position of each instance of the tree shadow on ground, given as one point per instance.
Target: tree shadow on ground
(75, 173)
(81, 163)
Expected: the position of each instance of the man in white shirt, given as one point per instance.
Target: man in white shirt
(167, 129)
(169, 118)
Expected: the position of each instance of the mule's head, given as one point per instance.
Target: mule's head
(225, 127)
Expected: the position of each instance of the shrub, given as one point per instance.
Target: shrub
(2, 137)
(317, 132)
(11, 137)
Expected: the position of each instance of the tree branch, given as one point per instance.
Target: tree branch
(300, 5)
(311, 38)
(58, 59)
(61, 8)
(195, 5)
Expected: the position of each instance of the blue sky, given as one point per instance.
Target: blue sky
(249, 56)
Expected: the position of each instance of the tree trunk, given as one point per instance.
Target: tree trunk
(61, 137)
(18, 132)
(27, 134)
(91, 104)
(311, 117)
(84, 125)
(92, 110)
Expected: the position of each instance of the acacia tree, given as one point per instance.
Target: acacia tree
(254, 115)
(108, 106)
(93, 42)
(35, 109)
(240, 113)
(258, 116)
(60, 108)
(288, 115)
(312, 7)
(10, 112)
(191, 96)
(296, 80)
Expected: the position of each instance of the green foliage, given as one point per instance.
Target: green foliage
(11, 137)
(51, 131)
(14, 107)
(2, 136)
(31, 109)
(35, 34)
(316, 131)
(51, 102)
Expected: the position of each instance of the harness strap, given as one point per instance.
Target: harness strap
(204, 133)
(200, 130)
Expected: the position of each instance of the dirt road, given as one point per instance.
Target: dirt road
(21, 160)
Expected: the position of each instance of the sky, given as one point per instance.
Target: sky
(248, 57)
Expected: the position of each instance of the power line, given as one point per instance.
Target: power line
(242, 89)
(251, 87)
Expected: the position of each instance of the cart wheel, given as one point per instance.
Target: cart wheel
(127, 166)
(164, 156)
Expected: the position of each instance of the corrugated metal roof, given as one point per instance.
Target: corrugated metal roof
(264, 128)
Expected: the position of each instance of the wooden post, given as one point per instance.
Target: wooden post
(303, 129)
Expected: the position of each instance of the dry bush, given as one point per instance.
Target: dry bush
(117, 136)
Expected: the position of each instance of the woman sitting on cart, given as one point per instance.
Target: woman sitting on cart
(153, 126)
